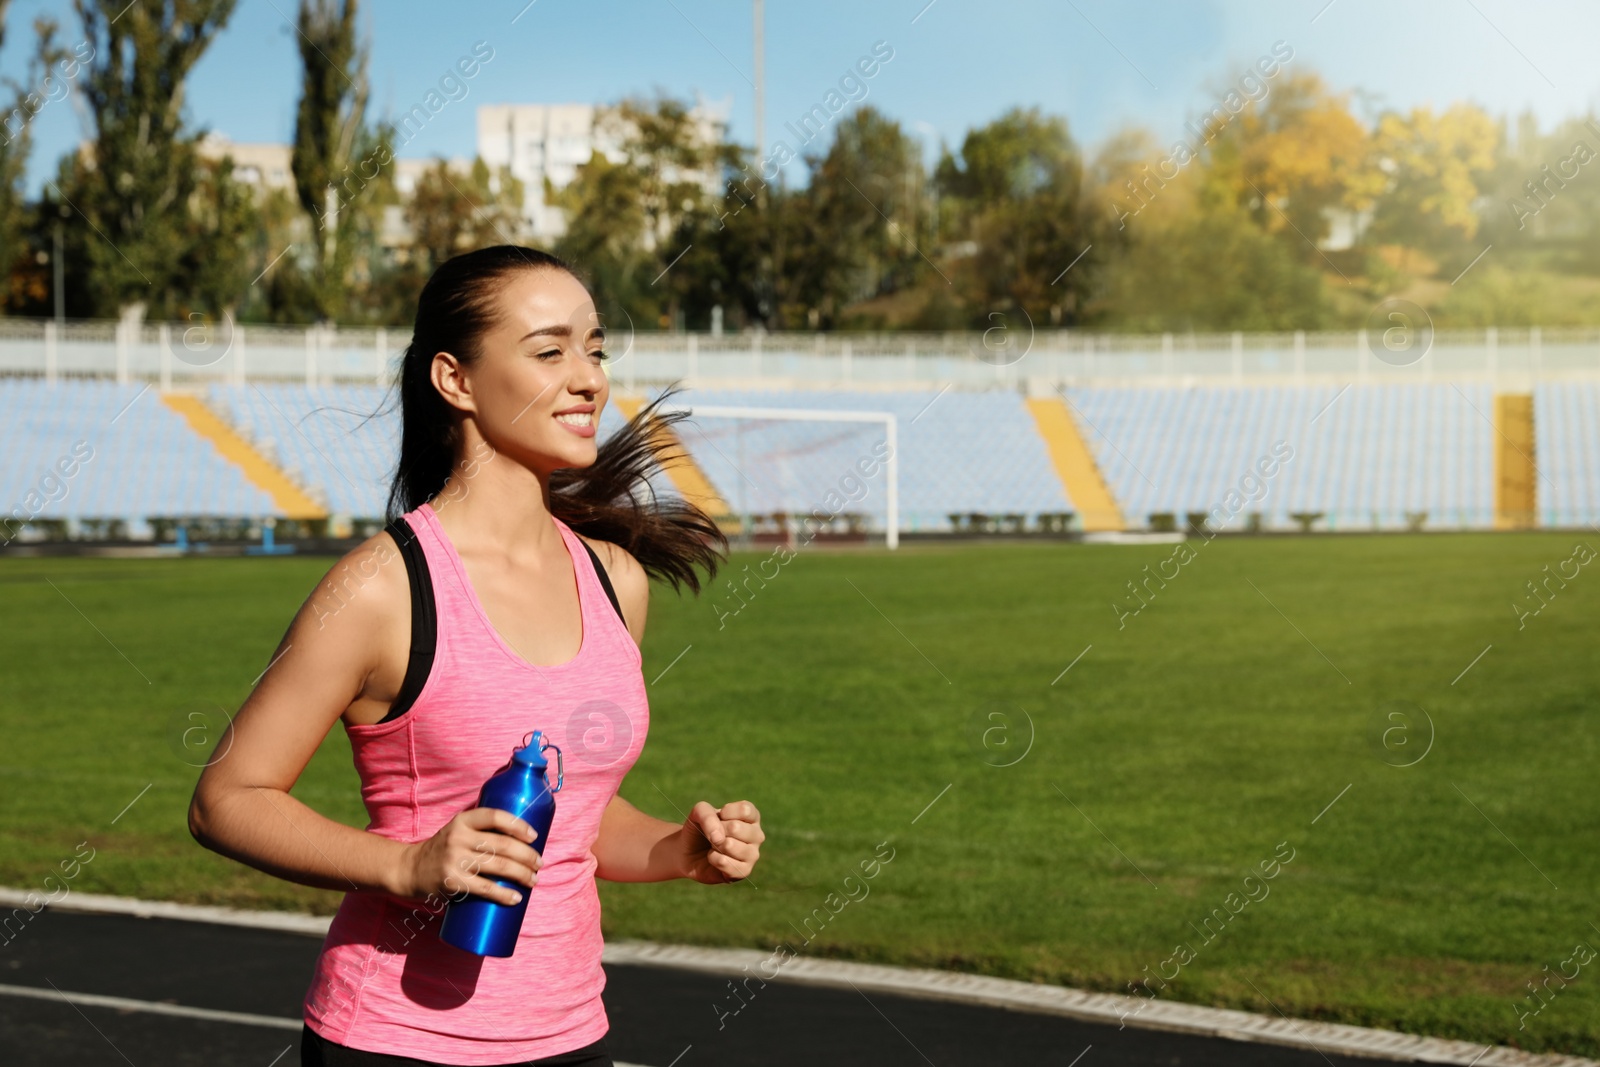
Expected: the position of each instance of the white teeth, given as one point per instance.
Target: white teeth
(578, 418)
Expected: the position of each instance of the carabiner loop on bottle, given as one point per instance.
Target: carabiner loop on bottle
(560, 771)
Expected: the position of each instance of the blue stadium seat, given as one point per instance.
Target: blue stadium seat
(146, 461)
(1368, 455)
(1567, 452)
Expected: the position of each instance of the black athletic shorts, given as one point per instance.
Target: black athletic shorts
(318, 1051)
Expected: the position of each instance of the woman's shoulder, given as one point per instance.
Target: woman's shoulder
(628, 579)
(356, 617)
(621, 566)
(370, 578)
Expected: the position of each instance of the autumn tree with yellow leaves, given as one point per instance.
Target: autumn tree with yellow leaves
(1293, 158)
(1435, 169)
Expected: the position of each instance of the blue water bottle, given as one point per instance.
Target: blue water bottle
(486, 927)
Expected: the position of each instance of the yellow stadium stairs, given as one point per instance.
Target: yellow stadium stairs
(686, 474)
(1075, 466)
(1516, 485)
(292, 501)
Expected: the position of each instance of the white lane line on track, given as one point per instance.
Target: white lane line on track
(95, 1000)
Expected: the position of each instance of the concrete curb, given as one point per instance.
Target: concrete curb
(1109, 1008)
(288, 922)
(1105, 1008)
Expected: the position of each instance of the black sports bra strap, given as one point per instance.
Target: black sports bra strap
(424, 619)
(605, 580)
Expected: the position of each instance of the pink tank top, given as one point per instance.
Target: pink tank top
(384, 982)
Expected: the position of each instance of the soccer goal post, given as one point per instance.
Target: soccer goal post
(891, 467)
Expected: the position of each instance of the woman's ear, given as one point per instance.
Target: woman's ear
(451, 380)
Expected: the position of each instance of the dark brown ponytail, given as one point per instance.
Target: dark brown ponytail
(668, 538)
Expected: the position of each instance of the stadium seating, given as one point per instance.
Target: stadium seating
(1367, 456)
(145, 463)
(959, 452)
(1363, 456)
(336, 441)
(1567, 442)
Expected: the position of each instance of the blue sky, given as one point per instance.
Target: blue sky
(1102, 64)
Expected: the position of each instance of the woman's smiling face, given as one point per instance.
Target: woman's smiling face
(538, 385)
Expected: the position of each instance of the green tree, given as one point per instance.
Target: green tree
(662, 142)
(222, 218)
(632, 205)
(1544, 200)
(1492, 295)
(336, 154)
(733, 247)
(450, 213)
(864, 209)
(16, 143)
(604, 238)
(446, 213)
(1212, 270)
(135, 189)
(77, 267)
(1015, 197)
(283, 293)
(1012, 158)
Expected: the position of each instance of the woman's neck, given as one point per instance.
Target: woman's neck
(498, 506)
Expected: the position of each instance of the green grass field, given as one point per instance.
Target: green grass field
(1174, 757)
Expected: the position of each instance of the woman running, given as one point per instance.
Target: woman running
(480, 615)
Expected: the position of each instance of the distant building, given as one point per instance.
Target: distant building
(539, 141)
(268, 167)
(265, 166)
(1345, 228)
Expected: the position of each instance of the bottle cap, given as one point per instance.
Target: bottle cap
(531, 753)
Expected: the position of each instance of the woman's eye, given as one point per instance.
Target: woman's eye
(600, 354)
(550, 352)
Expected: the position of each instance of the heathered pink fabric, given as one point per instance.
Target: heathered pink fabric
(384, 981)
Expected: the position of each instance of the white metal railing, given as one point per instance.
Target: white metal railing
(190, 354)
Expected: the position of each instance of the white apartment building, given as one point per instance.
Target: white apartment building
(539, 141)
(266, 167)
(263, 166)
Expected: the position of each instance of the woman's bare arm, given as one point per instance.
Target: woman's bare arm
(711, 845)
(634, 847)
(241, 806)
(346, 649)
